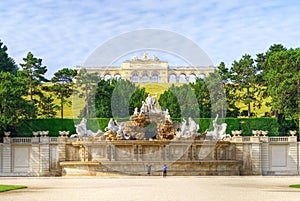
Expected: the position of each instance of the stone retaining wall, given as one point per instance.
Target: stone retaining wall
(45, 156)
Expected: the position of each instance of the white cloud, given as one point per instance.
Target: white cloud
(64, 33)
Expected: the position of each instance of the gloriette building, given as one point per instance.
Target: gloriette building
(150, 70)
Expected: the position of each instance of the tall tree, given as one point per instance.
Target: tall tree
(283, 79)
(168, 100)
(7, 64)
(103, 95)
(243, 75)
(34, 72)
(125, 97)
(87, 83)
(263, 69)
(13, 106)
(62, 86)
(203, 97)
(136, 99)
(222, 74)
(47, 107)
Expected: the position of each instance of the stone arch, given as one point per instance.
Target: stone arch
(154, 77)
(182, 78)
(117, 76)
(135, 77)
(145, 77)
(192, 77)
(172, 78)
(202, 76)
(107, 76)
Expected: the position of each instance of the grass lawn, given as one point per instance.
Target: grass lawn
(4, 188)
(295, 186)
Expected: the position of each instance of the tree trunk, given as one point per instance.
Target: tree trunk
(249, 110)
(61, 106)
(30, 87)
(86, 101)
(248, 104)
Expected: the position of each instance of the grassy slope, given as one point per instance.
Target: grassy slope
(152, 88)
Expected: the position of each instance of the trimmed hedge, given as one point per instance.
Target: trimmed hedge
(55, 125)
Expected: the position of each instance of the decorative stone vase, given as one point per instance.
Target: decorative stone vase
(44, 133)
(264, 133)
(238, 132)
(258, 132)
(293, 133)
(64, 133)
(35, 134)
(254, 132)
(233, 133)
(7, 134)
(61, 133)
(67, 133)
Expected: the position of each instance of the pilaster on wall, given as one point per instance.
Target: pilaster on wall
(6, 156)
(44, 156)
(265, 158)
(255, 155)
(35, 159)
(292, 160)
(61, 148)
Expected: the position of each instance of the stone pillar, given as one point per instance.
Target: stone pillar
(135, 153)
(112, 152)
(193, 152)
(140, 153)
(256, 155)
(6, 166)
(35, 159)
(163, 152)
(292, 161)
(265, 160)
(61, 149)
(44, 156)
(108, 152)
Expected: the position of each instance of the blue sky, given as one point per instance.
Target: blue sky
(65, 33)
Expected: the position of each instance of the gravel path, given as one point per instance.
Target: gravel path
(153, 188)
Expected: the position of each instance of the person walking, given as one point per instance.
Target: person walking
(165, 169)
(149, 169)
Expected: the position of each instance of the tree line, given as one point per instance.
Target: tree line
(26, 93)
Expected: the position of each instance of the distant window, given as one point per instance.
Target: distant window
(172, 78)
(107, 77)
(117, 77)
(182, 78)
(135, 77)
(145, 77)
(202, 76)
(154, 77)
(192, 78)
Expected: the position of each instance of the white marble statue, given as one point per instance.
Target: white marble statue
(188, 130)
(112, 126)
(219, 132)
(167, 116)
(144, 108)
(151, 104)
(193, 126)
(136, 111)
(183, 130)
(81, 130)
